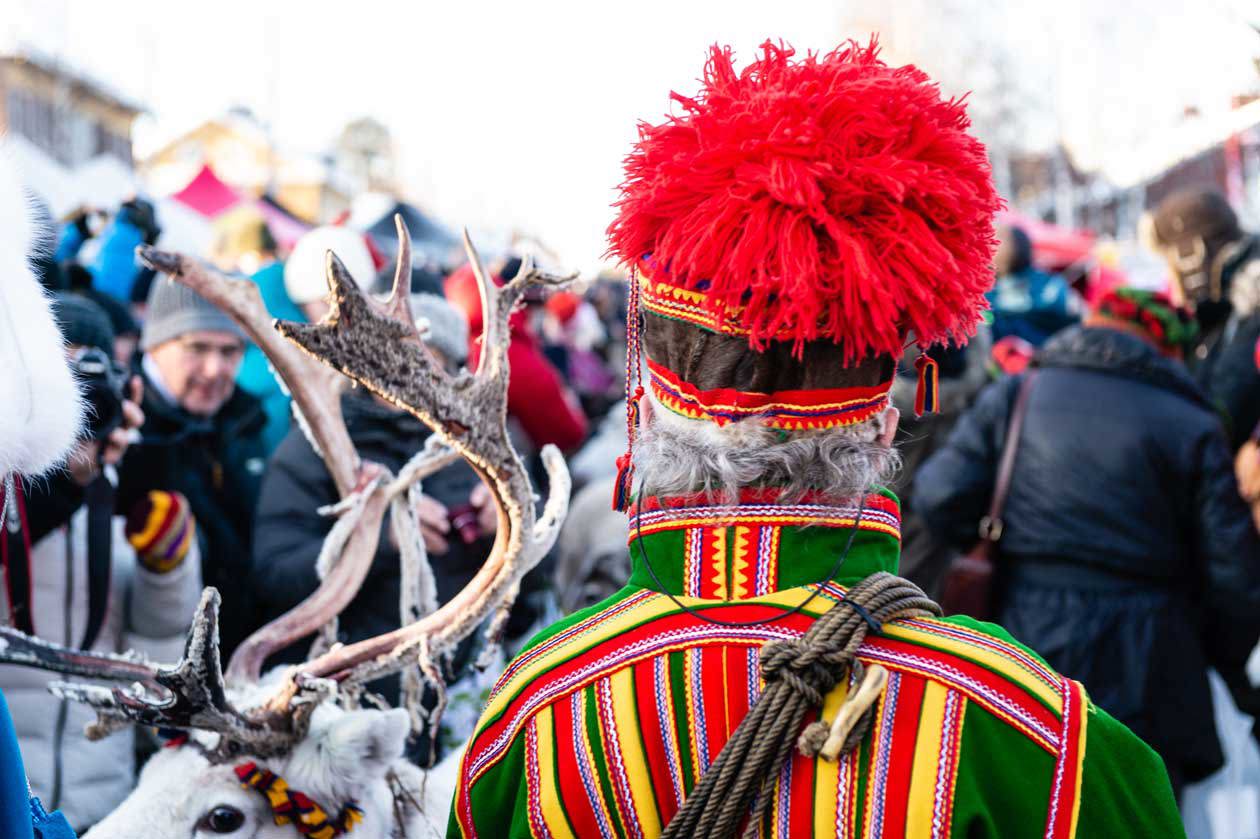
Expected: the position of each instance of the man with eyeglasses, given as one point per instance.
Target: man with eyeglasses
(202, 437)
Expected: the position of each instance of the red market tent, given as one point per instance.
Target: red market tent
(207, 194)
(211, 197)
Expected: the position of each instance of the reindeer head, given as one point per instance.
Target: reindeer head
(349, 766)
(291, 725)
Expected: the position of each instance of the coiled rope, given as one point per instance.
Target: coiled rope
(798, 674)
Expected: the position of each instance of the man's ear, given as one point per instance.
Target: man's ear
(891, 417)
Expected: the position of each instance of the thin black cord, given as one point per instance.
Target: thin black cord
(787, 613)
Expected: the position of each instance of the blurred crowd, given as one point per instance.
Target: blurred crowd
(1129, 556)
(194, 472)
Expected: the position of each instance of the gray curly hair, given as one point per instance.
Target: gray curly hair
(674, 455)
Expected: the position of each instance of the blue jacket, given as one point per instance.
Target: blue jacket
(255, 375)
(1032, 305)
(22, 816)
(115, 268)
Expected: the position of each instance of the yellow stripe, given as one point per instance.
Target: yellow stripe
(693, 724)
(630, 742)
(647, 610)
(1084, 706)
(927, 753)
(548, 792)
(827, 772)
(161, 505)
(717, 562)
(872, 780)
(987, 658)
(740, 562)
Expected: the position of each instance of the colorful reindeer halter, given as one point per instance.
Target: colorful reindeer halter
(292, 807)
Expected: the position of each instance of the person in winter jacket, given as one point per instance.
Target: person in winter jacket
(1026, 302)
(1127, 558)
(202, 437)
(538, 400)
(137, 593)
(457, 520)
(1215, 268)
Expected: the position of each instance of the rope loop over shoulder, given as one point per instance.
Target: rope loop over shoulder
(799, 674)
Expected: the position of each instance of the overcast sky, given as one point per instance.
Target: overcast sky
(518, 113)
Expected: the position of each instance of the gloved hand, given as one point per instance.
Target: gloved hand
(161, 529)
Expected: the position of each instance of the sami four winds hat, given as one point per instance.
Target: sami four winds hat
(792, 227)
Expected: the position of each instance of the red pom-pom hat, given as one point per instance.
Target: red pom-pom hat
(794, 225)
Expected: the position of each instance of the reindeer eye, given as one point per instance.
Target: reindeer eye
(222, 819)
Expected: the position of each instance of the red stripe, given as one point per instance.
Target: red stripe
(801, 792)
(1063, 786)
(736, 686)
(716, 722)
(653, 735)
(743, 401)
(901, 755)
(577, 805)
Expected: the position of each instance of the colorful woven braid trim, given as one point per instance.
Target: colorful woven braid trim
(292, 807)
(687, 305)
(880, 514)
(791, 410)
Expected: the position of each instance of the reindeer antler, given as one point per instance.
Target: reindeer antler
(378, 345)
(189, 695)
(373, 344)
(316, 391)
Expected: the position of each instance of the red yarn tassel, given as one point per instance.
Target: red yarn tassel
(926, 399)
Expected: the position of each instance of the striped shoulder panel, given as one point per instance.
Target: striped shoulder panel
(1000, 655)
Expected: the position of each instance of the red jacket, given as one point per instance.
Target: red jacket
(544, 406)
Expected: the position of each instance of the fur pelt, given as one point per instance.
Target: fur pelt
(41, 411)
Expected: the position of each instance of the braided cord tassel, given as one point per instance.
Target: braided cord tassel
(634, 392)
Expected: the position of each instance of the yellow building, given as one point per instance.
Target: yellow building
(315, 188)
(68, 116)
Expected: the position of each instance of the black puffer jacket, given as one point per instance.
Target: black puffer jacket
(217, 463)
(1129, 559)
(289, 530)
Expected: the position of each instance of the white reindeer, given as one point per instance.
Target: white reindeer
(294, 754)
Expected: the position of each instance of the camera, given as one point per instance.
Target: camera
(104, 383)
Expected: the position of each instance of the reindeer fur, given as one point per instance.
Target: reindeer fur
(347, 755)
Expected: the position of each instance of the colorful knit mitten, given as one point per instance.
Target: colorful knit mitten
(161, 529)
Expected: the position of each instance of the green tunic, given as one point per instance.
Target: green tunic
(603, 725)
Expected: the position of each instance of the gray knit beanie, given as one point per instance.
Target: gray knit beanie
(176, 310)
(442, 326)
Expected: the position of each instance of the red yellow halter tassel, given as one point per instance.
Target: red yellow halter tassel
(292, 807)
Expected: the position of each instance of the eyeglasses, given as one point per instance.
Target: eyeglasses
(202, 350)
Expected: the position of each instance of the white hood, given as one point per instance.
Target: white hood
(40, 408)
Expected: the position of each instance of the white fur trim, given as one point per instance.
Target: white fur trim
(41, 411)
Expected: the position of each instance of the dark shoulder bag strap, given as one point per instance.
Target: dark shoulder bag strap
(991, 525)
